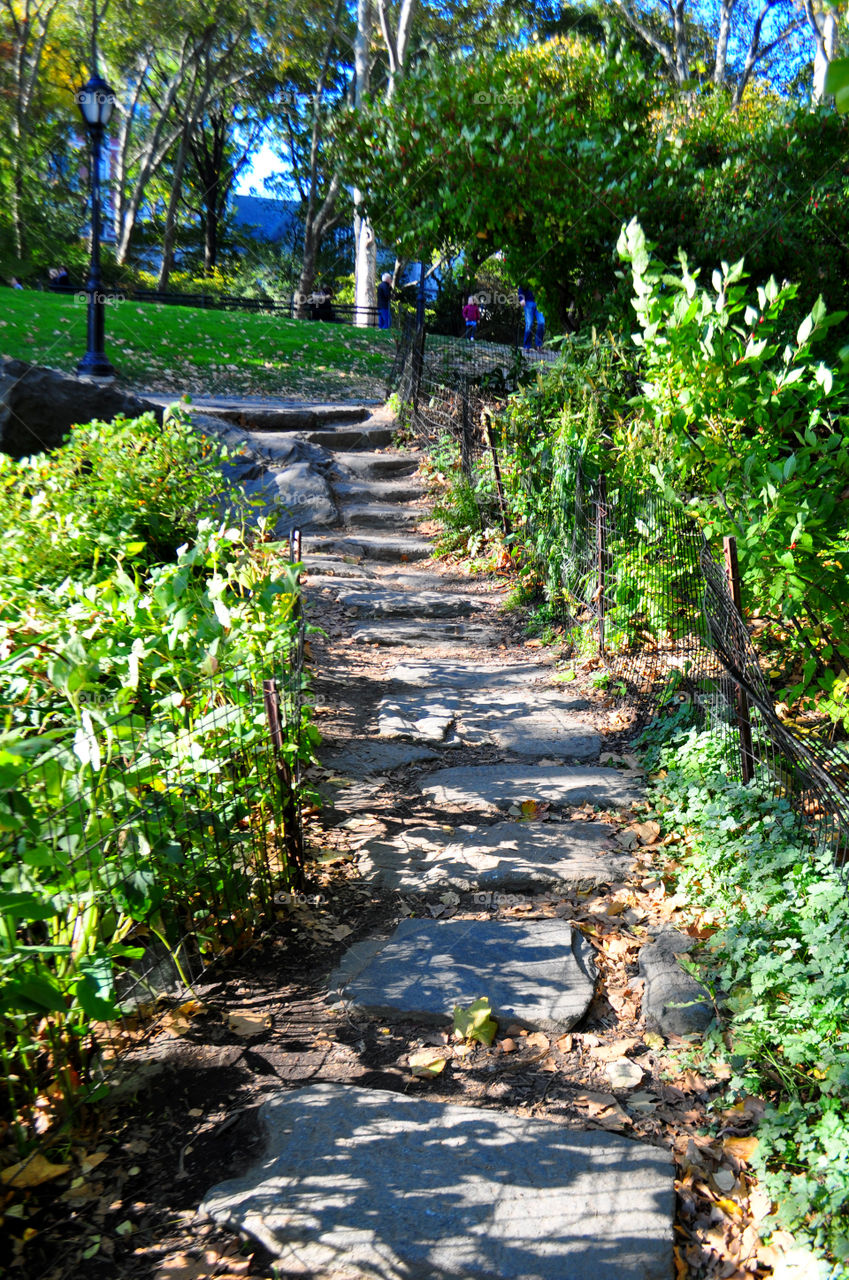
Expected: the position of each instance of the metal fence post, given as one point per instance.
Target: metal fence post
(744, 723)
(505, 519)
(289, 804)
(601, 553)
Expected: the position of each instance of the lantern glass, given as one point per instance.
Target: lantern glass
(96, 101)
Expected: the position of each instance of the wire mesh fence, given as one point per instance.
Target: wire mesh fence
(134, 853)
(637, 570)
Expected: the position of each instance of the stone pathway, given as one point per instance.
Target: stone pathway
(359, 1182)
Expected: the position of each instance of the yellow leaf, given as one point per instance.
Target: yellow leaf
(730, 1207)
(427, 1063)
(32, 1172)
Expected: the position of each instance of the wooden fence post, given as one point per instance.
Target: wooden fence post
(744, 723)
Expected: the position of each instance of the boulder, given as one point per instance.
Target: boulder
(39, 406)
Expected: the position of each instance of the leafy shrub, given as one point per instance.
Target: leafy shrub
(778, 964)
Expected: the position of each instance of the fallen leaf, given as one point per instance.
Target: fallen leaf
(623, 1073)
(476, 1022)
(248, 1024)
(741, 1148)
(539, 1040)
(32, 1172)
(564, 1044)
(427, 1063)
(611, 1052)
(646, 832)
(507, 1046)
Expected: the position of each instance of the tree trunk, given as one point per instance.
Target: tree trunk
(826, 48)
(169, 238)
(365, 268)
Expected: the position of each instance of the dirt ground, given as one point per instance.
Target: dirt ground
(186, 1113)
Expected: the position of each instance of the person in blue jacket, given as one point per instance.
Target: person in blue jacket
(384, 297)
(526, 297)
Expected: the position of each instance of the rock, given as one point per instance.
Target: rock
(39, 406)
(360, 1184)
(364, 757)
(623, 1073)
(406, 634)
(463, 675)
(538, 973)
(499, 786)
(410, 604)
(508, 855)
(386, 547)
(674, 1003)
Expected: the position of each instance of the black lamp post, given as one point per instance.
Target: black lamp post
(95, 101)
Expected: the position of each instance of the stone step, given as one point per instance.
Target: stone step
(300, 417)
(446, 673)
(343, 439)
(362, 1184)
(382, 515)
(411, 604)
(386, 548)
(414, 634)
(336, 567)
(505, 717)
(371, 465)
(381, 491)
(539, 973)
(507, 856)
(499, 786)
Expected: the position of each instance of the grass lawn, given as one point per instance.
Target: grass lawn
(185, 349)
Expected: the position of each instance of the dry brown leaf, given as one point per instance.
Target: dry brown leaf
(539, 1040)
(564, 1044)
(507, 1045)
(32, 1172)
(611, 1052)
(244, 1022)
(741, 1148)
(87, 1163)
(646, 832)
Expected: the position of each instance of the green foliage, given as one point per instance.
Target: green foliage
(739, 413)
(778, 963)
(137, 793)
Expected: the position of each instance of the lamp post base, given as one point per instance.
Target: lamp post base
(95, 365)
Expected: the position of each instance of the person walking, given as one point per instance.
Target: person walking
(384, 297)
(471, 315)
(529, 302)
(540, 334)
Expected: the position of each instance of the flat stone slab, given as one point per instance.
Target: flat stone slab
(528, 722)
(382, 515)
(376, 466)
(351, 490)
(385, 547)
(508, 855)
(498, 786)
(363, 757)
(538, 973)
(411, 634)
(461, 675)
(336, 567)
(361, 1184)
(411, 604)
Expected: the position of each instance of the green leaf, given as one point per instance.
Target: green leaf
(476, 1022)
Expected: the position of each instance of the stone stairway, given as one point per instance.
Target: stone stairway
(359, 1182)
